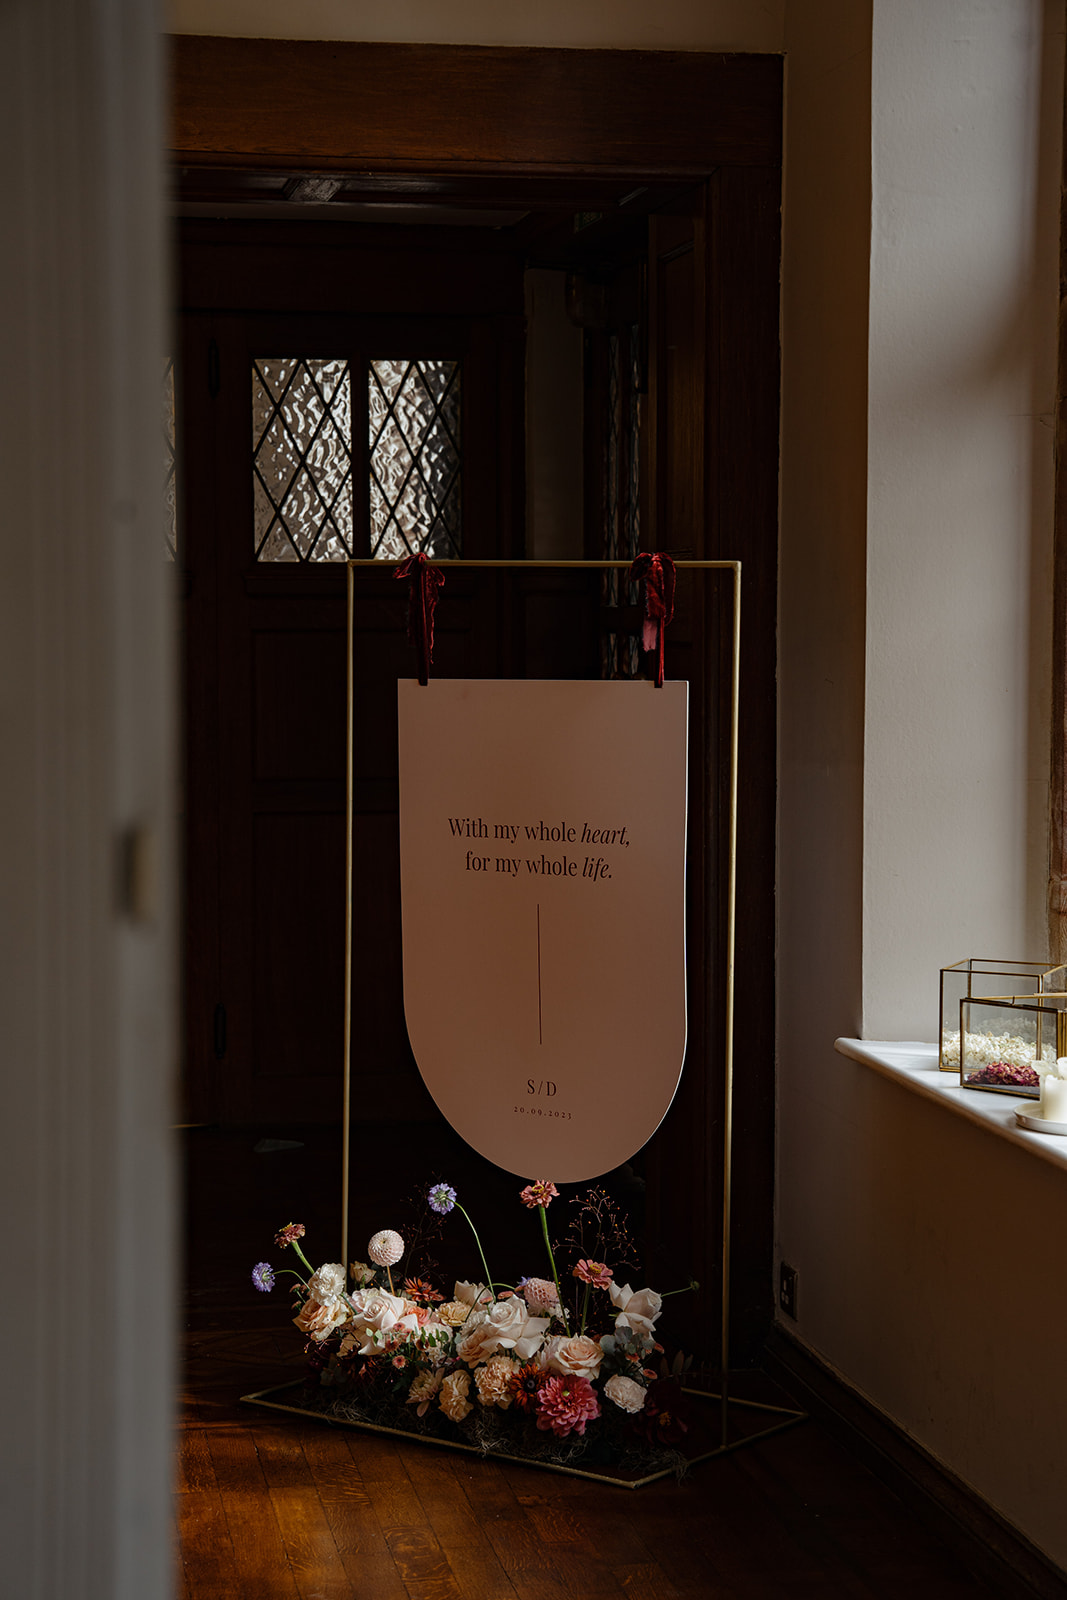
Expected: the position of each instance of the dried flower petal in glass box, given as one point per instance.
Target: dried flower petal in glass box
(1006, 1044)
(979, 978)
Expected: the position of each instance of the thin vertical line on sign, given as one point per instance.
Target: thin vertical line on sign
(540, 1040)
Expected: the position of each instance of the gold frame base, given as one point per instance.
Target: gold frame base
(789, 1417)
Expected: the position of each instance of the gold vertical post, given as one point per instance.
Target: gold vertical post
(346, 1113)
(728, 1068)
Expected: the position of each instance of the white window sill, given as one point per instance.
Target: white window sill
(915, 1066)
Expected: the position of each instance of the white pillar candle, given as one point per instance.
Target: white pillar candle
(1054, 1097)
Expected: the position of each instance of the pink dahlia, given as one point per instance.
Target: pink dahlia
(541, 1297)
(538, 1193)
(565, 1405)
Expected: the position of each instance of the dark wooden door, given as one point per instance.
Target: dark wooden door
(266, 689)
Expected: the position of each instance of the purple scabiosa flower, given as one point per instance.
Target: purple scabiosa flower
(263, 1276)
(442, 1198)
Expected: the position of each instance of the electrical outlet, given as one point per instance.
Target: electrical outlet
(787, 1290)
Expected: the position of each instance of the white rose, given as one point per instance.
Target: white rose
(576, 1357)
(636, 1310)
(327, 1283)
(625, 1393)
(374, 1311)
(471, 1294)
(505, 1325)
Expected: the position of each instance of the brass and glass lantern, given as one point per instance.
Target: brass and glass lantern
(978, 978)
(1006, 1043)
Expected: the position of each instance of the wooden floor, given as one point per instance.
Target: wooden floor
(273, 1506)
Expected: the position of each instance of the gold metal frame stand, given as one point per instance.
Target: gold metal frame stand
(788, 1417)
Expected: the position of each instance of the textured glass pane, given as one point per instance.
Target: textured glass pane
(302, 459)
(414, 421)
(170, 485)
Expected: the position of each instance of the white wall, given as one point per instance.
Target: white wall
(86, 732)
(967, 105)
(914, 745)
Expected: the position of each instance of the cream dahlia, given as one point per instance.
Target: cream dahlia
(386, 1248)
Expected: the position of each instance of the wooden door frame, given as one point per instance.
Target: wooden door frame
(431, 120)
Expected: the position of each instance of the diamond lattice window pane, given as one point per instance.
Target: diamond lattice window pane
(414, 416)
(302, 459)
(170, 485)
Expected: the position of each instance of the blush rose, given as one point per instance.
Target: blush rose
(578, 1356)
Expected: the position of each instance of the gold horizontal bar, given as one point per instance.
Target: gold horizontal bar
(1034, 999)
(373, 561)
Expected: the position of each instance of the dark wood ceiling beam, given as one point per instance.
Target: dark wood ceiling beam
(330, 106)
(475, 191)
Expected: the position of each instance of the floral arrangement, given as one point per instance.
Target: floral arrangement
(527, 1369)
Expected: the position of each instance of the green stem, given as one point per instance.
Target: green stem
(585, 1305)
(303, 1257)
(685, 1289)
(552, 1263)
(478, 1242)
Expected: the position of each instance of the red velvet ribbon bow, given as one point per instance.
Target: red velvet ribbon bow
(425, 580)
(657, 574)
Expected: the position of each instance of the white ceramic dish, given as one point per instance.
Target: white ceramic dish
(1036, 1124)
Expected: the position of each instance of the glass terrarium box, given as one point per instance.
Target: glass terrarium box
(978, 978)
(1005, 1045)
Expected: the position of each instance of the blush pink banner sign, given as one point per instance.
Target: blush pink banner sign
(542, 871)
